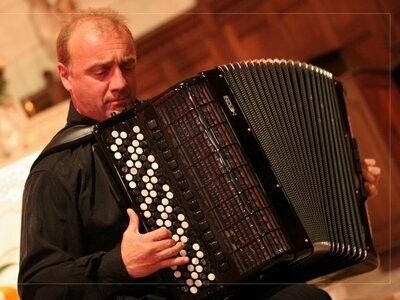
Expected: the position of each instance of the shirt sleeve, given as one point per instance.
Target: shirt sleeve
(53, 264)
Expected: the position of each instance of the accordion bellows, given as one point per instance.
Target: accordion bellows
(252, 165)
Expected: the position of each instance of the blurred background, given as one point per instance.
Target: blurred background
(357, 40)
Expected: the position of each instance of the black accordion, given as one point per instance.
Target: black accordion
(253, 166)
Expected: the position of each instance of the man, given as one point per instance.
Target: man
(74, 244)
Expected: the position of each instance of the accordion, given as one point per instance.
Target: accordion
(253, 166)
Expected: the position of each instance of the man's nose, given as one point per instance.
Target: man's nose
(118, 80)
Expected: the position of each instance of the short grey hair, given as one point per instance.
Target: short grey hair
(102, 17)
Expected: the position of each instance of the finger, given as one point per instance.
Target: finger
(163, 244)
(133, 220)
(371, 174)
(376, 171)
(372, 190)
(171, 251)
(159, 234)
(369, 162)
(175, 261)
(368, 177)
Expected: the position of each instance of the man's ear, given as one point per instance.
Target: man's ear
(64, 76)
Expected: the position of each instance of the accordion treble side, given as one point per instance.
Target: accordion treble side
(253, 166)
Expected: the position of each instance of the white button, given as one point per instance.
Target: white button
(128, 177)
(123, 135)
(194, 275)
(153, 194)
(199, 269)
(136, 129)
(144, 193)
(165, 201)
(145, 178)
(181, 217)
(154, 166)
(160, 208)
(211, 276)
(132, 184)
(189, 282)
(114, 147)
(160, 222)
(131, 149)
(196, 247)
(138, 164)
(183, 252)
(151, 158)
(117, 155)
(118, 141)
(198, 283)
(190, 268)
(180, 231)
(140, 137)
(114, 134)
(177, 274)
(165, 187)
(139, 150)
(153, 179)
(200, 254)
(129, 163)
(134, 157)
(170, 195)
(169, 209)
(175, 237)
(147, 214)
(135, 143)
(143, 206)
(193, 290)
(164, 215)
(195, 261)
(184, 239)
(133, 171)
(148, 200)
(185, 224)
(149, 186)
(168, 223)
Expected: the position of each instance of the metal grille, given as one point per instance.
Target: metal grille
(294, 111)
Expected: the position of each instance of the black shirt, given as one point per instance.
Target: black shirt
(72, 228)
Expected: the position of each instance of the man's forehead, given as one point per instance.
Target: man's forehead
(93, 30)
(88, 35)
(93, 44)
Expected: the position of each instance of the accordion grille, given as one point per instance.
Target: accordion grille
(294, 112)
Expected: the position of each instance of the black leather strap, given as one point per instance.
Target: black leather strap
(68, 137)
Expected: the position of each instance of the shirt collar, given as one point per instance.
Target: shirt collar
(74, 117)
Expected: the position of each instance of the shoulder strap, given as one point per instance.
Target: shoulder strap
(67, 137)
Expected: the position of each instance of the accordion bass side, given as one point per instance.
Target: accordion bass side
(253, 166)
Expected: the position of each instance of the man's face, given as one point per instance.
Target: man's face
(101, 73)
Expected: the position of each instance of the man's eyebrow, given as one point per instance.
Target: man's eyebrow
(102, 64)
(129, 59)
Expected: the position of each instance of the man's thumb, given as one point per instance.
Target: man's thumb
(133, 219)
